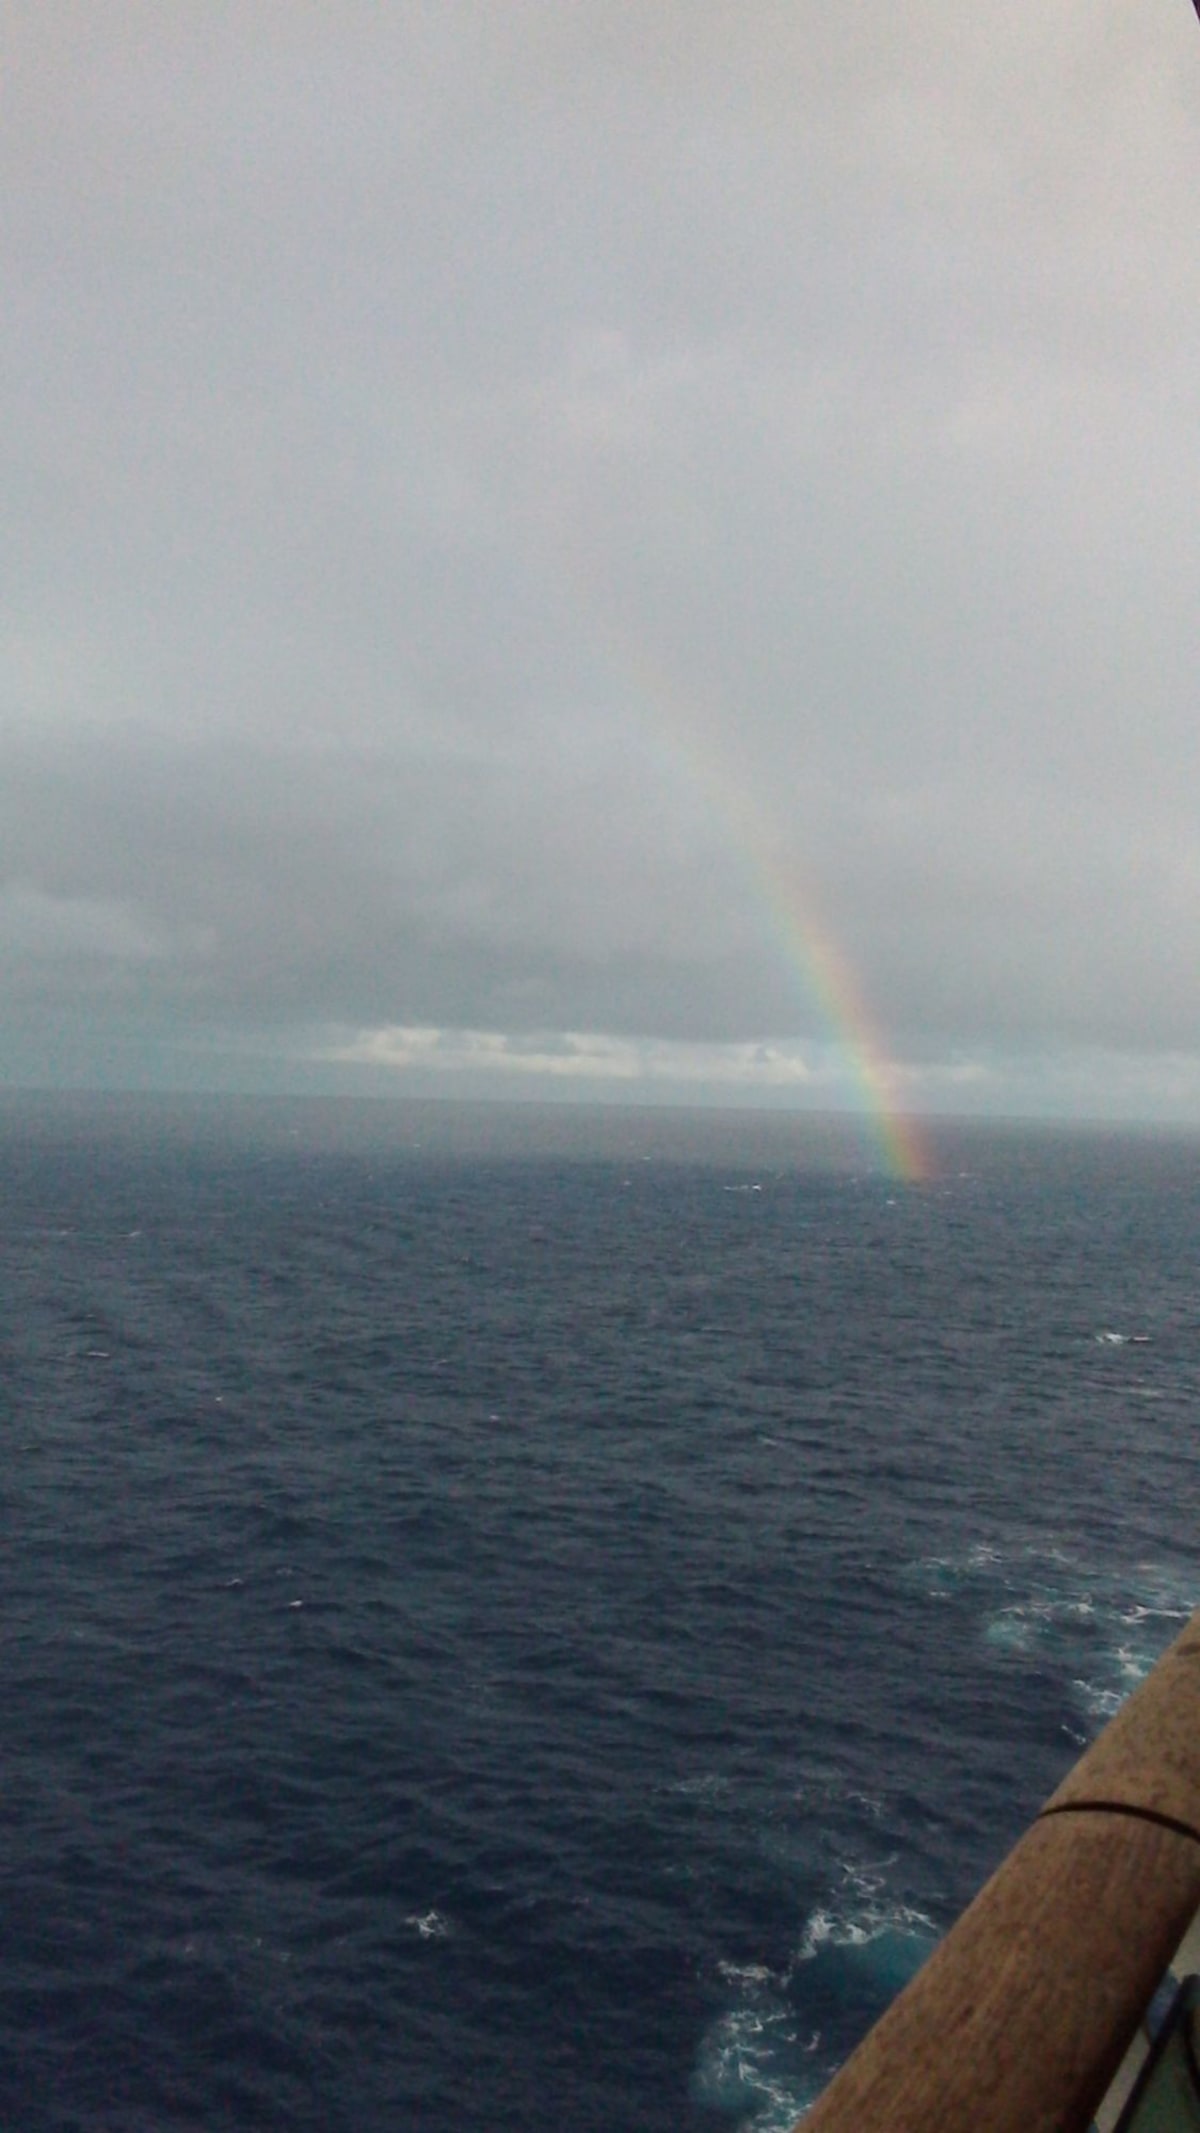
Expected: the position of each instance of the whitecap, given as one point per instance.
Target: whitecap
(1011, 1630)
(429, 1924)
(745, 1973)
(746, 2067)
(705, 1784)
(899, 1928)
(761, 2061)
(1097, 1701)
(870, 1803)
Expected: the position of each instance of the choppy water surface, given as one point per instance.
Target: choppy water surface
(548, 1629)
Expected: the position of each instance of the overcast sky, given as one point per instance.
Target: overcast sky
(538, 528)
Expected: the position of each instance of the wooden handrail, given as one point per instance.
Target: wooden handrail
(1021, 2016)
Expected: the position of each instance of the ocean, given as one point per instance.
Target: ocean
(539, 1619)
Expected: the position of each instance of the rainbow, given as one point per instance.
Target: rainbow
(683, 725)
(833, 985)
(827, 976)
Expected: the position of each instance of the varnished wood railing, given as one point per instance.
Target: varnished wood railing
(1020, 2018)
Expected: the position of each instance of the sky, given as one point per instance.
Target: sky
(624, 549)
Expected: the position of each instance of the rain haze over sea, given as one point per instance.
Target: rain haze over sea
(528, 1619)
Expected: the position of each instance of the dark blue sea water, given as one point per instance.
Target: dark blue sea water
(540, 1621)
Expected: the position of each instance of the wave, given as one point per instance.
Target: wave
(772, 2051)
(1102, 1630)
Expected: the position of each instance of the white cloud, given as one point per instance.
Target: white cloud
(573, 1055)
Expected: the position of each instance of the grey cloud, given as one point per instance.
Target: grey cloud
(495, 488)
(51, 929)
